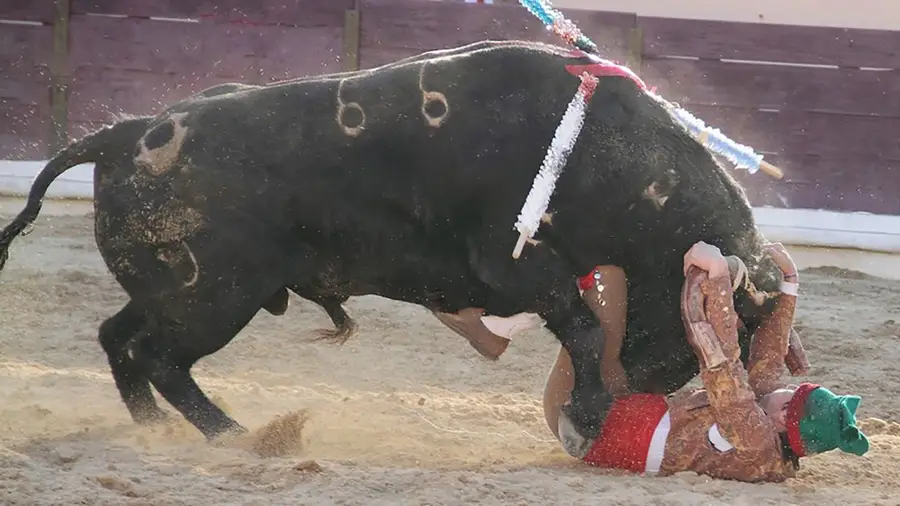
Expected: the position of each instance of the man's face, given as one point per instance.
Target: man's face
(775, 405)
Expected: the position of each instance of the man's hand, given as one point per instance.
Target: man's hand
(783, 260)
(708, 258)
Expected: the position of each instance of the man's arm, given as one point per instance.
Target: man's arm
(711, 324)
(769, 347)
(775, 345)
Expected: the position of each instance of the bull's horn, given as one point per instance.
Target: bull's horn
(738, 270)
(740, 275)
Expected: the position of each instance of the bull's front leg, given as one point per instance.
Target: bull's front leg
(540, 281)
(582, 416)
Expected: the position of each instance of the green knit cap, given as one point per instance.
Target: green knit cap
(819, 421)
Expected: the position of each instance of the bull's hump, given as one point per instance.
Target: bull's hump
(444, 85)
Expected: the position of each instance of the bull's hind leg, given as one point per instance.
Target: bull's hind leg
(160, 350)
(167, 349)
(134, 387)
(188, 323)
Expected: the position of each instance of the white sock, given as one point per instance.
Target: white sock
(512, 325)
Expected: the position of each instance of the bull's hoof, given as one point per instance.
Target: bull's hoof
(582, 422)
(151, 416)
(574, 443)
(224, 433)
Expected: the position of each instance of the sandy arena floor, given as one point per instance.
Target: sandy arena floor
(404, 413)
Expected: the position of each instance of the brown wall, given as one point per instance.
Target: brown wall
(830, 127)
(877, 14)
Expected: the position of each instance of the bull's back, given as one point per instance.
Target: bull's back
(415, 134)
(365, 160)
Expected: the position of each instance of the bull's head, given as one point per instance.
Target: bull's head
(646, 217)
(708, 204)
(638, 192)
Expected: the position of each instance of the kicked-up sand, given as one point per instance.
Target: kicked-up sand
(404, 413)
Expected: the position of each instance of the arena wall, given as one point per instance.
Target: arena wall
(822, 102)
(874, 14)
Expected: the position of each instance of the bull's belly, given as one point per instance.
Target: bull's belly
(431, 282)
(161, 247)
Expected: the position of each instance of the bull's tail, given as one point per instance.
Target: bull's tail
(94, 147)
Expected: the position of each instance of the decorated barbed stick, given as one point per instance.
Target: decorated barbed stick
(556, 22)
(545, 181)
(738, 154)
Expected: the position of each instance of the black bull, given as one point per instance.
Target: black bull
(402, 181)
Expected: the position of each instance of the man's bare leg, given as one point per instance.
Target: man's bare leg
(468, 324)
(607, 297)
(557, 389)
(489, 335)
